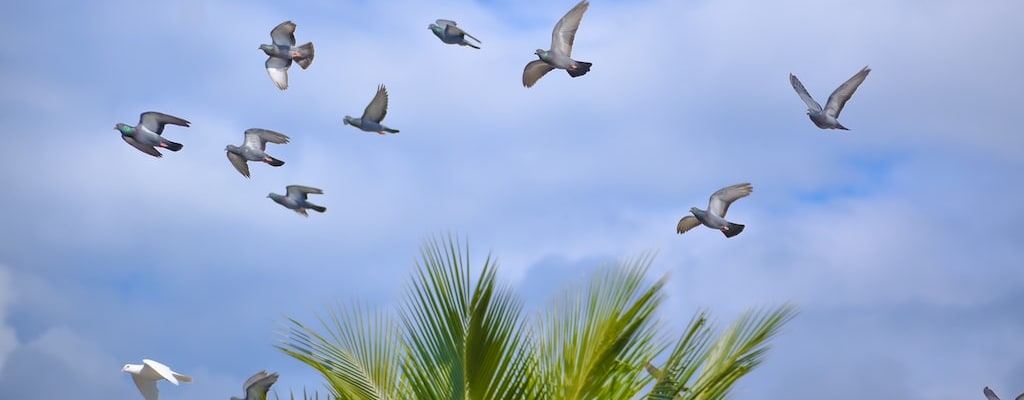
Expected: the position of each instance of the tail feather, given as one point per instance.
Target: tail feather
(317, 208)
(172, 146)
(389, 130)
(734, 229)
(183, 378)
(273, 161)
(582, 67)
(307, 55)
(467, 43)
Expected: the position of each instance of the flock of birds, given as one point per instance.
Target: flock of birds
(147, 137)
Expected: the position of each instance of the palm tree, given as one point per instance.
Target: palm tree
(456, 339)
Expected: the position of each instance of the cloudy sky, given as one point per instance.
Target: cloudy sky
(900, 239)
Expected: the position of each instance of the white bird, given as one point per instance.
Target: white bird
(146, 375)
(257, 385)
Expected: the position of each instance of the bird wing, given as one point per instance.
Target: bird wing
(257, 386)
(278, 70)
(258, 138)
(378, 107)
(534, 71)
(842, 94)
(155, 121)
(299, 191)
(452, 30)
(240, 163)
(162, 370)
(720, 200)
(146, 387)
(284, 34)
(990, 394)
(143, 148)
(444, 23)
(252, 380)
(564, 33)
(806, 97)
(686, 223)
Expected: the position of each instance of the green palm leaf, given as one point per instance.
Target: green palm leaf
(463, 341)
(359, 357)
(593, 338)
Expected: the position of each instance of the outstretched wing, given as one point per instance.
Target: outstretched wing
(720, 200)
(806, 97)
(239, 163)
(564, 33)
(378, 107)
(534, 71)
(257, 386)
(146, 387)
(284, 34)
(142, 147)
(837, 100)
(686, 223)
(300, 192)
(155, 121)
(258, 138)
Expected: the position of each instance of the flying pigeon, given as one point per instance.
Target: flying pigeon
(714, 216)
(559, 56)
(254, 149)
(283, 52)
(146, 375)
(373, 114)
(146, 136)
(448, 32)
(296, 199)
(257, 385)
(992, 395)
(829, 117)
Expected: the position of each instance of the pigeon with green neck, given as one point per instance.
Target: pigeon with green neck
(560, 54)
(373, 114)
(255, 149)
(295, 199)
(148, 134)
(283, 52)
(450, 33)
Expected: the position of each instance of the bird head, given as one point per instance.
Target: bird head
(267, 48)
(434, 27)
(128, 368)
(125, 129)
(273, 196)
(347, 120)
(541, 53)
(696, 211)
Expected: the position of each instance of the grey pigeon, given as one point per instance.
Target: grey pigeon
(714, 216)
(147, 135)
(448, 32)
(296, 199)
(257, 385)
(283, 52)
(828, 118)
(254, 149)
(560, 54)
(373, 114)
(992, 395)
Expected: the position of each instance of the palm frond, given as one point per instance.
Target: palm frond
(592, 339)
(463, 340)
(359, 356)
(706, 369)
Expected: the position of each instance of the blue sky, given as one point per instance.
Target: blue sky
(899, 239)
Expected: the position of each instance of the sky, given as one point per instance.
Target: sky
(899, 240)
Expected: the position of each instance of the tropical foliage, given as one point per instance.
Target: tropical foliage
(455, 337)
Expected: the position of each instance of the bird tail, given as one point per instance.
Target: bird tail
(467, 43)
(275, 162)
(389, 130)
(317, 208)
(306, 51)
(182, 378)
(734, 229)
(582, 67)
(172, 146)
(840, 126)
